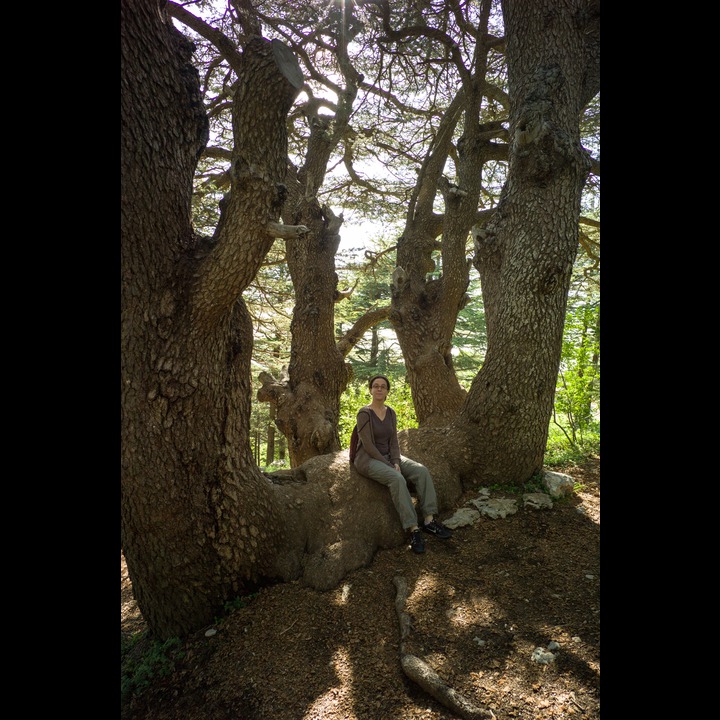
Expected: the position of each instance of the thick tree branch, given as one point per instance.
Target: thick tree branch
(346, 343)
(217, 38)
(250, 213)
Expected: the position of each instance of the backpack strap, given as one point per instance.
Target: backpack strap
(367, 412)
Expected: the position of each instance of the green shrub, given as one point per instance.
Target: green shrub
(561, 449)
(239, 601)
(142, 661)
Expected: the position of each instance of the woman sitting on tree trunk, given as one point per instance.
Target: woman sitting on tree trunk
(378, 458)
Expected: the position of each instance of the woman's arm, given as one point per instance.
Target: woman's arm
(394, 443)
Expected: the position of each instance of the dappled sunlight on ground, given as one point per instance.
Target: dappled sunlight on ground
(479, 605)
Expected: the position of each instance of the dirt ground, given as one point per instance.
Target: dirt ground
(480, 606)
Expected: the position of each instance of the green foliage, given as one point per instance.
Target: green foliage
(560, 450)
(534, 484)
(470, 336)
(377, 350)
(141, 662)
(577, 394)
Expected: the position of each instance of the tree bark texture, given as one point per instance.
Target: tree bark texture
(198, 520)
(525, 253)
(425, 309)
(307, 402)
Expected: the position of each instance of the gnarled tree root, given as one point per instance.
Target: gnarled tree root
(423, 675)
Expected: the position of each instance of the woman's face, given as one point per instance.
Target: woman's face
(379, 389)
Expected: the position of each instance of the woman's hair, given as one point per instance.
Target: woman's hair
(378, 377)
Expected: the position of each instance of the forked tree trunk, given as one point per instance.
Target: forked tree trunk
(307, 401)
(198, 520)
(424, 307)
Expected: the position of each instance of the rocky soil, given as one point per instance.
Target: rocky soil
(506, 614)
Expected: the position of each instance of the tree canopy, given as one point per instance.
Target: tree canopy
(392, 93)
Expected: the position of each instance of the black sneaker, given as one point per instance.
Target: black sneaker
(416, 542)
(437, 529)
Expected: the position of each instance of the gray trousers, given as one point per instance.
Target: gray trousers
(419, 475)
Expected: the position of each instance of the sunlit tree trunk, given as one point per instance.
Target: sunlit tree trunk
(525, 253)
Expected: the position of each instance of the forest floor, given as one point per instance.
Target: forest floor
(480, 605)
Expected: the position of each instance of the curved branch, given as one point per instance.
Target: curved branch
(346, 343)
(221, 41)
(344, 294)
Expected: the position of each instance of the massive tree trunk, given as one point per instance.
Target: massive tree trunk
(198, 521)
(525, 253)
(425, 308)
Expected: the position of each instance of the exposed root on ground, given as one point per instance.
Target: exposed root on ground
(423, 675)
